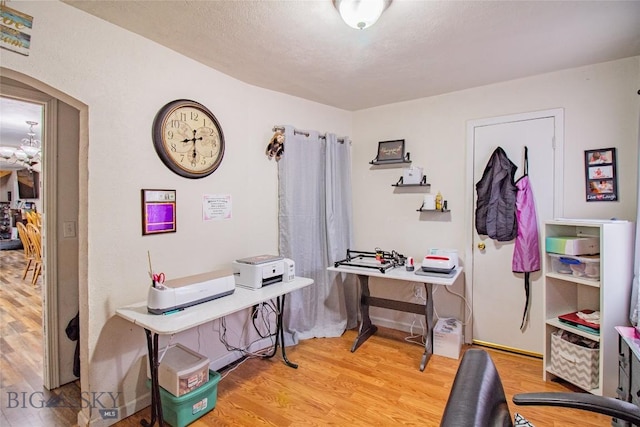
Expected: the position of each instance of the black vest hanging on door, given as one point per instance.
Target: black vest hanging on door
(73, 333)
(496, 203)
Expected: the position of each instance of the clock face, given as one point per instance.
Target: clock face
(188, 139)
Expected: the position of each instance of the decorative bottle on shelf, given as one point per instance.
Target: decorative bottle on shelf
(438, 201)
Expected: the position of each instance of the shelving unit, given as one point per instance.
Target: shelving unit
(5, 220)
(565, 293)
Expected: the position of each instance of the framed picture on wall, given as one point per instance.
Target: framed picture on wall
(600, 175)
(390, 152)
(158, 211)
(28, 184)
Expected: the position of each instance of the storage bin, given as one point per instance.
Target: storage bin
(573, 245)
(576, 364)
(181, 370)
(586, 267)
(447, 338)
(182, 411)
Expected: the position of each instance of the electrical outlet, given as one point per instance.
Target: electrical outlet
(69, 229)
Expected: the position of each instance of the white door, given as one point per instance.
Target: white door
(498, 294)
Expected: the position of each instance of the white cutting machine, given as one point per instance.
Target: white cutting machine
(185, 292)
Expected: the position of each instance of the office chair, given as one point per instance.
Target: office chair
(477, 398)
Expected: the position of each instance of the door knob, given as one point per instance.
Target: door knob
(481, 246)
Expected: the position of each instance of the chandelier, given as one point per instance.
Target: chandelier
(29, 152)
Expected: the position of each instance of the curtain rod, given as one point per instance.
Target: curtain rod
(300, 132)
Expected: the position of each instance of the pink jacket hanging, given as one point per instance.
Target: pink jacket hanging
(526, 252)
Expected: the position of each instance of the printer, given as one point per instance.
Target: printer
(262, 270)
(178, 294)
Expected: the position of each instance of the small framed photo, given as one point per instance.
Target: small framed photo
(600, 175)
(158, 211)
(390, 151)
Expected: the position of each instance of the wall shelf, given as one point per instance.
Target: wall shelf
(405, 159)
(443, 210)
(394, 162)
(422, 183)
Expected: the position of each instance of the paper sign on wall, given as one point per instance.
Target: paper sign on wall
(216, 206)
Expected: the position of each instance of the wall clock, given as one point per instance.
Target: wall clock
(188, 138)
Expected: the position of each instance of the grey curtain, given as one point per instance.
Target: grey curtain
(315, 230)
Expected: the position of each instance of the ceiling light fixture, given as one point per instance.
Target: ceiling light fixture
(29, 151)
(361, 14)
(30, 146)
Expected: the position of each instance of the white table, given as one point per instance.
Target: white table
(191, 317)
(367, 328)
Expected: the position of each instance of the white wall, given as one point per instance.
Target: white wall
(124, 80)
(601, 109)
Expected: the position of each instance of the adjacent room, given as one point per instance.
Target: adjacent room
(290, 213)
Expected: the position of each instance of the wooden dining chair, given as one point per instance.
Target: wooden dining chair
(36, 245)
(28, 249)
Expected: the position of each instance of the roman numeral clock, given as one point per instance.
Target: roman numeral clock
(188, 138)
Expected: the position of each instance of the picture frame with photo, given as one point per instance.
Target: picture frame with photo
(391, 152)
(601, 184)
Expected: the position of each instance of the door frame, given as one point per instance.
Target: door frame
(558, 181)
(49, 187)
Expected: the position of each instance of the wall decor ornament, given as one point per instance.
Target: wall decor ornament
(15, 31)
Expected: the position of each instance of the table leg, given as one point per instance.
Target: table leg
(428, 315)
(156, 404)
(366, 327)
(280, 333)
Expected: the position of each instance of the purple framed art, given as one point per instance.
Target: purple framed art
(158, 211)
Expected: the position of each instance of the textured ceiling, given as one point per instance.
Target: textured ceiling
(417, 48)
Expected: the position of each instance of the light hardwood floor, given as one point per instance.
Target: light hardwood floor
(378, 385)
(23, 397)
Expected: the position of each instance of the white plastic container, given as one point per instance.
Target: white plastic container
(586, 267)
(181, 370)
(573, 245)
(447, 338)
